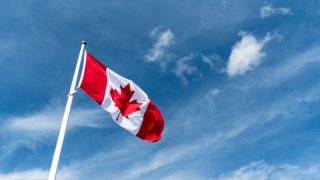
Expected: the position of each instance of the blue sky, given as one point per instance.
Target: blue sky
(237, 83)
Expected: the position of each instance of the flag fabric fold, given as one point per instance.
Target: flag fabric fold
(129, 106)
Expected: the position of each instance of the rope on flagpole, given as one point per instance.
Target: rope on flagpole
(63, 128)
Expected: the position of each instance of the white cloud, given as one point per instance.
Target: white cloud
(189, 175)
(187, 66)
(158, 51)
(212, 93)
(246, 54)
(184, 67)
(268, 10)
(49, 119)
(33, 174)
(214, 61)
(158, 54)
(34, 129)
(260, 170)
(40, 174)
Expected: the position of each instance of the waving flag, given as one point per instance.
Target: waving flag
(129, 106)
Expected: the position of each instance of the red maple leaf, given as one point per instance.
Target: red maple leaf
(122, 100)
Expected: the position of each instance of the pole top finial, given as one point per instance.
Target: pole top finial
(84, 42)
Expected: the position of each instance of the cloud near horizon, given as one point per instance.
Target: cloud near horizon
(261, 170)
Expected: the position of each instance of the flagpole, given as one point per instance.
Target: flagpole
(57, 152)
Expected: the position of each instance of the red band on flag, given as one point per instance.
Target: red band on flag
(95, 79)
(152, 124)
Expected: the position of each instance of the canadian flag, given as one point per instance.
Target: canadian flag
(129, 106)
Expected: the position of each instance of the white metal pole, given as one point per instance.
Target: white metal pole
(57, 152)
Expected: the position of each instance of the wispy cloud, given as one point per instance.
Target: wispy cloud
(184, 175)
(262, 170)
(188, 66)
(212, 94)
(40, 174)
(40, 127)
(268, 10)
(158, 53)
(27, 175)
(246, 54)
(176, 154)
(184, 67)
(214, 61)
